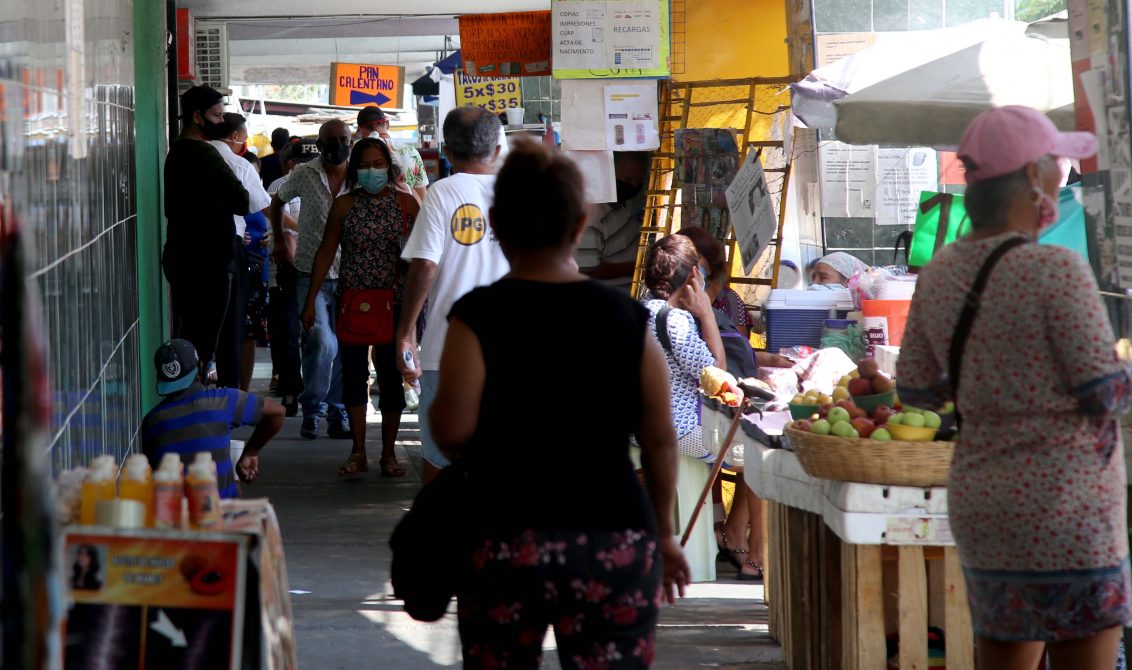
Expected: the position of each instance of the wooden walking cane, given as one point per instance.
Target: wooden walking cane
(715, 470)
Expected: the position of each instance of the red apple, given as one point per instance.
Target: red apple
(823, 411)
(844, 404)
(864, 427)
(868, 368)
(882, 414)
(860, 386)
(882, 384)
(805, 425)
(858, 413)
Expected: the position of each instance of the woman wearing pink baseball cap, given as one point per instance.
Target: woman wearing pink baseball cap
(1016, 334)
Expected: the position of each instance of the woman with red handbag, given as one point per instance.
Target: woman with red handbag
(370, 223)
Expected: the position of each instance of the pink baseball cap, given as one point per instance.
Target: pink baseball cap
(1002, 140)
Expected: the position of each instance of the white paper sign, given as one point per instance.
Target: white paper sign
(597, 170)
(579, 35)
(583, 115)
(901, 175)
(848, 180)
(615, 34)
(752, 213)
(630, 117)
(634, 35)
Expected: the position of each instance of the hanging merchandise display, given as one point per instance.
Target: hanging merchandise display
(707, 160)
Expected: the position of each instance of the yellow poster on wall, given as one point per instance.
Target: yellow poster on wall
(492, 93)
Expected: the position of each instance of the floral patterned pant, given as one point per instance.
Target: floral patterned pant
(600, 591)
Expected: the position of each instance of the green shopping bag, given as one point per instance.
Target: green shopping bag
(941, 218)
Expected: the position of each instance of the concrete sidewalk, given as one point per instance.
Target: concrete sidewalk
(336, 533)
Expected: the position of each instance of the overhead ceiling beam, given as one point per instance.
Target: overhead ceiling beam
(308, 28)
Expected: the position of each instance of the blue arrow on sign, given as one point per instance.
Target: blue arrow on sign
(359, 98)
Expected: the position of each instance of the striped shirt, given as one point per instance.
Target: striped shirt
(200, 419)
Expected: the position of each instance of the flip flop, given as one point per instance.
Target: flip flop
(389, 467)
(355, 464)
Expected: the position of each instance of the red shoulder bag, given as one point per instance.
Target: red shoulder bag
(365, 315)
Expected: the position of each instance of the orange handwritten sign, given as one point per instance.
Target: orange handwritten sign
(506, 45)
(360, 85)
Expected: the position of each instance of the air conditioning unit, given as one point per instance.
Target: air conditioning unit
(212, 54)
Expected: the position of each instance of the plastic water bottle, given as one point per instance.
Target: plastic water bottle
(412, 389)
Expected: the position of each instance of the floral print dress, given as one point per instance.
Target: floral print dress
(1036, 494)
(371, 242)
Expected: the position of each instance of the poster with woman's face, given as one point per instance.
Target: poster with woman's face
(87, 567)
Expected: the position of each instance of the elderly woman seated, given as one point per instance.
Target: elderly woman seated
(836, 269)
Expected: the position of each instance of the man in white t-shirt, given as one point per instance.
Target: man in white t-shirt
(235, 139)
(451, 251)
(230, 346)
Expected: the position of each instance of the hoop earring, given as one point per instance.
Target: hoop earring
(1035, 196)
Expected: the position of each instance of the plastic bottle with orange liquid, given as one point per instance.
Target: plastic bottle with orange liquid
(98, 486)
(169, 493)
(136, 483)
(203, 488)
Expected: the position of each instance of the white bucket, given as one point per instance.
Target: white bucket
(515, 116)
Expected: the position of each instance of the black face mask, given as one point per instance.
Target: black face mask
(213, 131)
(627, 191)
(335, 153)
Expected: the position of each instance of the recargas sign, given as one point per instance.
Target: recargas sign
(359, 85)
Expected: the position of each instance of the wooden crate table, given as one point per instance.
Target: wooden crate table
(848, 564)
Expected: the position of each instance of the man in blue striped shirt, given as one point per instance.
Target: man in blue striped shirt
(193, 418)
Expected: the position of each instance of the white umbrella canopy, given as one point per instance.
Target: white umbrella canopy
(932, 104)
(890, 54)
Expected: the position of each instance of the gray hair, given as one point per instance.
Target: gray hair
(988, 200)
(471, 133)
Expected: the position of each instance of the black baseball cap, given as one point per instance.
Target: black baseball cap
(300, 150)
(198, 99)
(176, 362)
(370, 114)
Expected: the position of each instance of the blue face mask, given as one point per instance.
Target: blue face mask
(373, 179)
(703, 273)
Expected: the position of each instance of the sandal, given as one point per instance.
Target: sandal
(744, 577)
(355, 464)
(727, 553)
(389, 467)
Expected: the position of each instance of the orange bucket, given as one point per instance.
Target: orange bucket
(896, 311)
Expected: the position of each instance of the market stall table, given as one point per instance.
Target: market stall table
(832, 546)
(220, 596)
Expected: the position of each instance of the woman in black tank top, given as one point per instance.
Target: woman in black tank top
(542, 414)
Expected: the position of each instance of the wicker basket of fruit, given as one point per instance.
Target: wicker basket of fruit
(844, 442)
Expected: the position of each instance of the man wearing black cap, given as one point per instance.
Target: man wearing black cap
(192, 418)
(202, 195)
(372, 122)
(271, 167)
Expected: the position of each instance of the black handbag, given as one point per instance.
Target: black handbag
(423, 573)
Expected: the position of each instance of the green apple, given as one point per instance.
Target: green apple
(914, 420)
(838, 415)
(882, 435)
(948, 408)
(931, 420)
(844, 429)
(821, 427)
(912, 410)
(896, 419)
